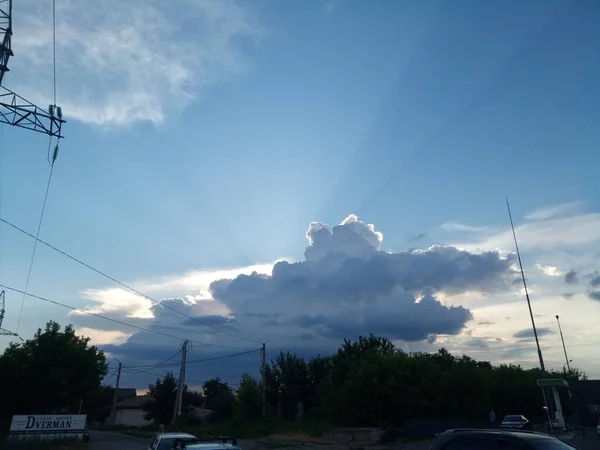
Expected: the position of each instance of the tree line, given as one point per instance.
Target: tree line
(366, 382)
(370, 382)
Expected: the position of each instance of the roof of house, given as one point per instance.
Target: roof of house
(137, 402)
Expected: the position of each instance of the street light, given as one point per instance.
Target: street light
(563, 344)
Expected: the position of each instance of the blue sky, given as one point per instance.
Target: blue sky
(209, 136)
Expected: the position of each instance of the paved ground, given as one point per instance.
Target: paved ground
(106, 440)
(589, 442)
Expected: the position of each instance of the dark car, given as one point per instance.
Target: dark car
(515, 421)
(471, 439)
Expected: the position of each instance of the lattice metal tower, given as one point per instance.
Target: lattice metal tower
(14, 109)
(19, 112)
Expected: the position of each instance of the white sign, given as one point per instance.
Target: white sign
(55, 426)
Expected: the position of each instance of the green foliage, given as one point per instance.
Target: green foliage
(369, 382)
(219, 398)
(163, 393)
(248, 403)
(52, 372)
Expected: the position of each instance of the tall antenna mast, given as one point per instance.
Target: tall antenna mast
(537, 341)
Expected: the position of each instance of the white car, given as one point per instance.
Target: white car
(514, 422)
(164, 441)
(211, 446)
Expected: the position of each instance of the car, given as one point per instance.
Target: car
(514, 421)
(211, 446)
(473, 439)
(165, 441)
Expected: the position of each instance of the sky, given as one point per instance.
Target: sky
(297, 173)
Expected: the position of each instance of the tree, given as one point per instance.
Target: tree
(249, 398)
(218, 398)
(52, 372)
(163, 394)
(162, 404)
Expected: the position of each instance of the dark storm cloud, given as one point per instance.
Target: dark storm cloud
(400, 317)
(568, 295)
(594, 295)
(528, 333)
(594, 279)
(571, 277)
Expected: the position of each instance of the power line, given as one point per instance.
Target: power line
(110, 377)
(223, 357)
(120, 322)
(214, 358)
(152, 367)
(99, 272)
(37, 235)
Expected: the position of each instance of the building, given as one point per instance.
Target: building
(587, 397)
(130, 412)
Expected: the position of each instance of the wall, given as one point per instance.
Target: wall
(131, 418)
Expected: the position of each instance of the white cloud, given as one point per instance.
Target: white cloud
(192, 286)
(119, 63)
(555, 211)
(544, 234)
(551, 271)
(101, 337)
(297, 306)
(455, 226)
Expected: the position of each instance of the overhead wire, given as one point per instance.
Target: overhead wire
(51, 161)
(132, 289)
(110, 377)
(214, 358)
(39, 227)
(152, 367)
(110, 319)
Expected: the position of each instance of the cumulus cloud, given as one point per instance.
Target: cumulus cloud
(355, 287)
(124, 62)
(528, 333)
(345, 286)
(551, 271)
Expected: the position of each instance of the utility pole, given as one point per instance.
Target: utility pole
(263, 355)
(179, 395)
(563, 343)
(113, 413)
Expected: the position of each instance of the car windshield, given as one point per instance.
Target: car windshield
(513, 419)
(167, 443)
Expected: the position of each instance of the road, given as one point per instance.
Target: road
(106, 440)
